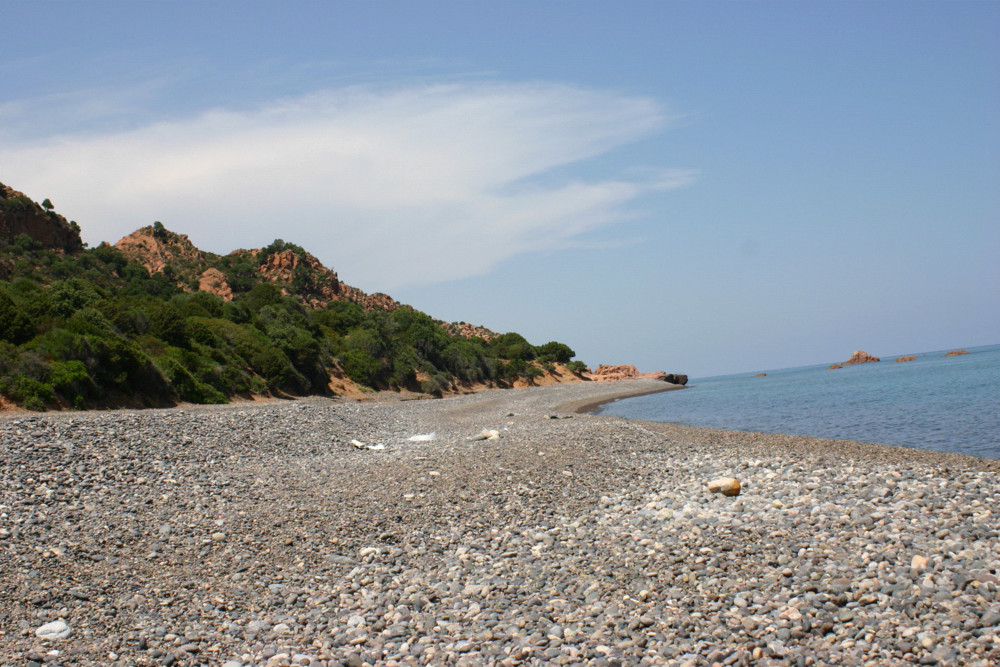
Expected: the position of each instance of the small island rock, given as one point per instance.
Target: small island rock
(861, 357)
(908, 357)
(955, 353)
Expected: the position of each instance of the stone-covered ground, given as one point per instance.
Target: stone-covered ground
(256, 534)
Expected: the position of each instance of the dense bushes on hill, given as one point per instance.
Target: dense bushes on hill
(93, 328)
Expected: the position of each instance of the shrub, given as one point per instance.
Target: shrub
(576, 367)
(15, 327)
(512, 346)
(68, 296)
(362, 367)
(185, 384)
(555, 351)
(71, 380)
(167, 323)
(514, 369)
(435, 385)
(199, 304)
(241, 275)
(467, 360)
(32, 394)
(340, 316)
(25, 243)
(89, 321)
(531, 373)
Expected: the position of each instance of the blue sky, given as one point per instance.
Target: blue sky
(710, 187)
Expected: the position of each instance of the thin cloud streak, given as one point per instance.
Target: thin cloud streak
(390, 186)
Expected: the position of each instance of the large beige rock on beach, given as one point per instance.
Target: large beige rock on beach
(727, 486)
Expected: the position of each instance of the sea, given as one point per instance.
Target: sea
(936, 402)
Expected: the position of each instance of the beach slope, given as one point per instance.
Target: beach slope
(258, 534)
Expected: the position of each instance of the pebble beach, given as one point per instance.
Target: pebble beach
(320, 532)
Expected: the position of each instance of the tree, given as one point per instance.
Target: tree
(555, 351)
(47, 204)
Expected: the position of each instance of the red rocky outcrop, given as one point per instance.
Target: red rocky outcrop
(860, 357)
(608, 373)
(20, 215)
(214, 281)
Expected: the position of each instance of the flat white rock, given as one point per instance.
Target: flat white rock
(54, 630)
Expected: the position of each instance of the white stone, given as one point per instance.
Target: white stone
(54, 630)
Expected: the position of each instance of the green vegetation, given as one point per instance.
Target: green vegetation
(93, 328)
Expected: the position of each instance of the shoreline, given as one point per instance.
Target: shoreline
(256, 534)
(591, 405)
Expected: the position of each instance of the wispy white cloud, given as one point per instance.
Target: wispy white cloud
(390, 186)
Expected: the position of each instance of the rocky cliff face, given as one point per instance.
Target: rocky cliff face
(300, 275)
(214, 281)
(156, 250)
(20, 215)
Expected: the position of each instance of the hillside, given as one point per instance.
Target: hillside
(154, 321)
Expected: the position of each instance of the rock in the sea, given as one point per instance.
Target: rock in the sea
(908, 357)
(955, 353)
(760, 375)
(727, 486)
(54, 630)
(861, 357)
(835, 366)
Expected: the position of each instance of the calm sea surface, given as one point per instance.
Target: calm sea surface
(949, 404)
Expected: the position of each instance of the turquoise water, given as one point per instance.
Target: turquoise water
(949, 404)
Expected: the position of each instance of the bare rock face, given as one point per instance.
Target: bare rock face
(861, 357)
(214, 281)
(156, 250)
(908, 357)
(467, 330)
(20, 215)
